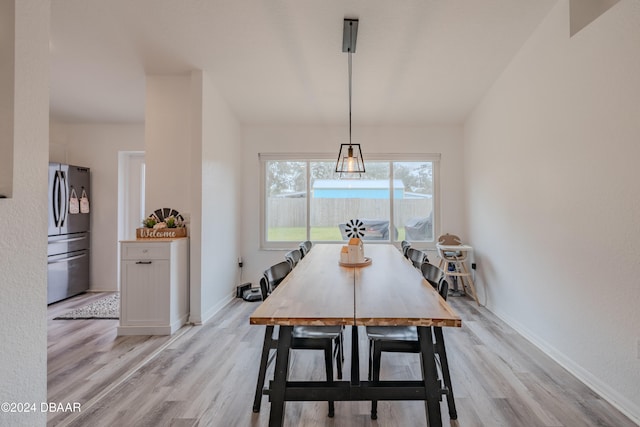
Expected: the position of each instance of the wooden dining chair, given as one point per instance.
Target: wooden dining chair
(404, 339)
(326, 338)
(293, 257)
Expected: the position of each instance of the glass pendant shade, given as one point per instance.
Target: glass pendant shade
(350, 163)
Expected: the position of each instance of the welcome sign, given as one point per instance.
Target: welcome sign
(161, 233)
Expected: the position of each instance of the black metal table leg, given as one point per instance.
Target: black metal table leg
(430, 377)
(355, 357)
(278, 387)
(446, 376)
(328, 362)
(266, 347)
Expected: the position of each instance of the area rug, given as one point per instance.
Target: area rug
(105, 308)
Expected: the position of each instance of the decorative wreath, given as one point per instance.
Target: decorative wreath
(355, 228)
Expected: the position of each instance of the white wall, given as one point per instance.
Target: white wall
(221, 189)
(23, 223)
(96, 146)
(192, 146)
(446, 140)
(552, 187)
(168, 143)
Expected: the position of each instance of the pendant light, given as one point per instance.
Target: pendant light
(350, 163)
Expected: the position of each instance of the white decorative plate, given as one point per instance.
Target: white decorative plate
(367, 261)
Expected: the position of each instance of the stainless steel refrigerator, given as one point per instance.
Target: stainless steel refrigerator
(69, 223)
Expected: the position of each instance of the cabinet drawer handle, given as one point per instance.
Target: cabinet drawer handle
(143, 262)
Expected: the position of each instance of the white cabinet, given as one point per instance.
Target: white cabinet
(154, 293)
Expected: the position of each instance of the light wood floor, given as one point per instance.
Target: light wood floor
(205, 376)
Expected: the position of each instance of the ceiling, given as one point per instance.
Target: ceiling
(281, 62)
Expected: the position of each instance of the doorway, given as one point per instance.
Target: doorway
(131, 190)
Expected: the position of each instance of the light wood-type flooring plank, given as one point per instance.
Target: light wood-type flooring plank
(205, 376)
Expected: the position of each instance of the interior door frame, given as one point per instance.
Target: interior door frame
(131, 191)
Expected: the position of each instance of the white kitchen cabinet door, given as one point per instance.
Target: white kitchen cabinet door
(145, 298)
(154, 296)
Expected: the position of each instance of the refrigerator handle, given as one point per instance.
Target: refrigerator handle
(73, 258)
(74, 239)
(65, 199)
(55, 198)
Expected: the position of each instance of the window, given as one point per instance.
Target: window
(413, 202)
(335, 201)
(303, 199)
(286, 206)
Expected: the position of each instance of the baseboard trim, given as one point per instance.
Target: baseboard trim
(209, 314)
(101, 290)
(144, 330)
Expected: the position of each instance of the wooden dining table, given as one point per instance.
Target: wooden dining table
(388, 292)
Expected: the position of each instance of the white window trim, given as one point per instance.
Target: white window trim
(434, 158)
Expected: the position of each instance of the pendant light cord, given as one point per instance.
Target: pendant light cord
(351, 163)
(349, 53)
